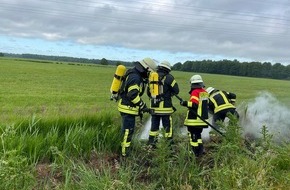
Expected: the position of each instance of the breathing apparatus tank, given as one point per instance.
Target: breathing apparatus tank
(117, 81)
(154, 84)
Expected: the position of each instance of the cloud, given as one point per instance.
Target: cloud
(255, 30)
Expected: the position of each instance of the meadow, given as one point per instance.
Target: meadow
(59, 130)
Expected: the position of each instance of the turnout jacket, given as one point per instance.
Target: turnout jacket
(221, 100)
(131, 91)
(197, 104)
(162, 105)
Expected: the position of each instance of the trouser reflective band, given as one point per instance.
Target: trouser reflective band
(168, 133)
(195, 144)
(125, 144)
(199, 141)
(153, 133)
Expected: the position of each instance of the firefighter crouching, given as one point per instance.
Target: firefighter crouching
(161, 103)
(221, 103)
(130, 103)
(197, 104)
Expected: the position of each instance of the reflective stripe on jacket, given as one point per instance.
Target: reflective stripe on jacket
(130, 96)
(170, 87)
(221, 100)
(198, 104)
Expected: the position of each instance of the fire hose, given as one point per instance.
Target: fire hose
(221, 133)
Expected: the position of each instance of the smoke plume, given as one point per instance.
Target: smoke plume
(182, 130)
(265, 110)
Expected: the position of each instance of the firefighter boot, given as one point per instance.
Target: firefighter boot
(200, 150)
(195, 150)
(152, 142)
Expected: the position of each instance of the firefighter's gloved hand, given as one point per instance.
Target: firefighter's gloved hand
(183, 103)
(146, 110)
(114, 97)
(142, 106)
(232, 102)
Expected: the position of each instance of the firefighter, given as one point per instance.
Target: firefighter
(197, 104)
(162, 104)
(221, 103)
(130, 103)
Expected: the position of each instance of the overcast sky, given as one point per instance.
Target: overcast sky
(129, 30)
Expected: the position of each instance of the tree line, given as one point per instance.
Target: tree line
(102, 61)
(236, 68)
(224, 67)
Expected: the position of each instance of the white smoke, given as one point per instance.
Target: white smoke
(182, 130)
(204, 135)
(265, 110)
(145, 132)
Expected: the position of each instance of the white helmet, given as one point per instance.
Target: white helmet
(210, 89)
(149, 64)
(196, 79)
(166, 65)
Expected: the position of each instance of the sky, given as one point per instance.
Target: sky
(130, 30)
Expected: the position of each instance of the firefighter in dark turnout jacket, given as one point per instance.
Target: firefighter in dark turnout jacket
(197, 104)
(162, 105)
(221, 103)
(130, 104)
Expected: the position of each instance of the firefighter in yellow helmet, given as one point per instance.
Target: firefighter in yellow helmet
(221, 103)
(130, 103)
(197, 104)
(162, 104)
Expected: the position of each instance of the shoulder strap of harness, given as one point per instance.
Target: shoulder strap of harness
(125, 77)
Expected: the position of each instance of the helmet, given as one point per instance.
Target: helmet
(148, 64)
(166, 65)
(196, 79)
(210, 89)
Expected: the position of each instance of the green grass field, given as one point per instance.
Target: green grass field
(59, 130)
(52, 90)
(49, 89)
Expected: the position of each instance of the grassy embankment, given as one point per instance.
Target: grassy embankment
(59, 130)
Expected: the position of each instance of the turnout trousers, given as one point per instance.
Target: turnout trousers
(221, 115)
(155, 126)
(195, 140)
(128, 126)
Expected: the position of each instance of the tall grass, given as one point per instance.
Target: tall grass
(72, 153)
(238, 166)
(38, 141)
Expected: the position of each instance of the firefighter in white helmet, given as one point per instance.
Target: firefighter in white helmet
(197, 104)
(163, 107)
(130, 104)
(221, 103)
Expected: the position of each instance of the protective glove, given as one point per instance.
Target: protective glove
(146, 110)
(114, 97)
(183, 103)
(142, 106)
